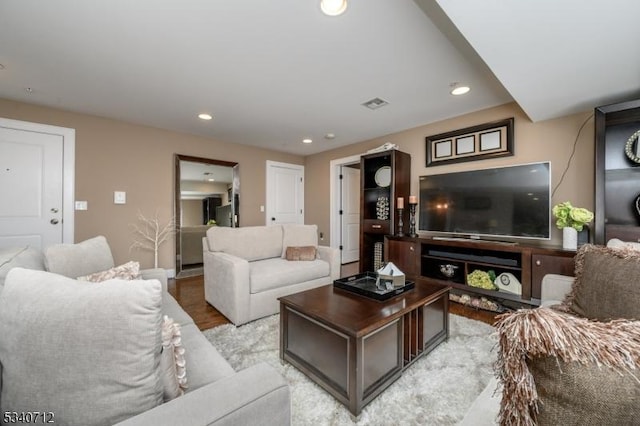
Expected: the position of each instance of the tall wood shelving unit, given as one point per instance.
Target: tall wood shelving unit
(617, 177)
(385, 174)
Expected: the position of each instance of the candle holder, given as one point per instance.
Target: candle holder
(400, 224)
(412, 220)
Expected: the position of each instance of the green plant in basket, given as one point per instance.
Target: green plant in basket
(568, 216)
(481, 279)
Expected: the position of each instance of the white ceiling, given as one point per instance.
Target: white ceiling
(193, 171)
(274, 72)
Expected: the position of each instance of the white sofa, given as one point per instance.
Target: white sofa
(216, 393)
(245, 271)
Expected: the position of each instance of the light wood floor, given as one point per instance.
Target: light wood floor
(189, 292)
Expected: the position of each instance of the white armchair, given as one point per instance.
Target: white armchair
(246, 269)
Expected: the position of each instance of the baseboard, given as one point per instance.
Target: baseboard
(171, 273)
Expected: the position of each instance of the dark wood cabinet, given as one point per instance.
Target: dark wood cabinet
(617, 176)
(405, 255)
(384, 177)
(543, 264)
(450, 261)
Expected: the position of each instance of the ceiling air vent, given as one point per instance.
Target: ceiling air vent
(375, 103)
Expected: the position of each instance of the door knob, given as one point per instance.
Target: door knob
(54, 221)
(273, 218)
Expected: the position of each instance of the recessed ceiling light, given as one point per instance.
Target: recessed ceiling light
(205, 116)
(211, 180)
(333, 7)
(458, 90)
(307, 140)
(330, 136)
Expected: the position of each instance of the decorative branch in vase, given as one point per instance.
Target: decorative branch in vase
(571, 220)
(150, 234)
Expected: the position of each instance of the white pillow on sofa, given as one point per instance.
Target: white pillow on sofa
(619, 244)
(88, 353)
(76, 260)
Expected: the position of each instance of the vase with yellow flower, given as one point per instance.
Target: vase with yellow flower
(571, 220)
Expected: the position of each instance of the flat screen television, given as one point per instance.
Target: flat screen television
(511, 202)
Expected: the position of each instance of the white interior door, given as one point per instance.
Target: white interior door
(285, 193)
(33, 206)
(350, 214)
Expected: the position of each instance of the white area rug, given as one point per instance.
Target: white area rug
(438, 389)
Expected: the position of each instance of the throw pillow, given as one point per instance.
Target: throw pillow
(77, 260)
(616, 243)
(606, 284)
(304, 253)
(88, 353)
(565, 367)
(294, 235)
(128, 271)
(572, 393)
(172, 364)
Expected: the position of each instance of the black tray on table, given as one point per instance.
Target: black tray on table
(365, 285)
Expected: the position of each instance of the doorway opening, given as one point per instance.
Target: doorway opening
(345, 211)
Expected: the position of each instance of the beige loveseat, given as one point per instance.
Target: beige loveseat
(246, 271)
(89, 353)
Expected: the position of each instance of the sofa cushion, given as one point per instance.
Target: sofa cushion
(606, 285)
(275, 273)
(204, 362)
(294, 235)
(24, 257)
(88, 353)
(249, 242)
(75, 260)
(173, 309)
(127, 271)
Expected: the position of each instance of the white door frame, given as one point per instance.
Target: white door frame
(68, 172)
(268, 192)
(334, 196)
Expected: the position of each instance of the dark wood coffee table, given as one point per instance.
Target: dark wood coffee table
(355, 347)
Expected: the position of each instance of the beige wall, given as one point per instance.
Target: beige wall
(546, 140)
(117, 156)
(191, 212)
(114, 155)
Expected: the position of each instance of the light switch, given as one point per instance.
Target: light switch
(119, 197)
(262, 209)
(81, 205)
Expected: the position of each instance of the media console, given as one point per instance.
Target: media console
(450, 260)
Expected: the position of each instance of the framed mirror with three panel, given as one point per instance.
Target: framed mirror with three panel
(207, 193)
